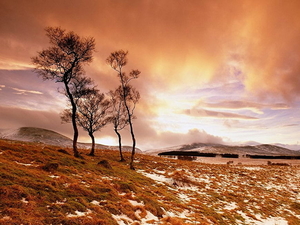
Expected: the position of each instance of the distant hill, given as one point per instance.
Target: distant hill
(49, 137)
(34, 134)
(262, 149)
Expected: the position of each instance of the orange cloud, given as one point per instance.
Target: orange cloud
(216, 114)
(177, 45)
(172, 43)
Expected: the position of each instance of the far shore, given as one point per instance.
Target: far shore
(247, 161)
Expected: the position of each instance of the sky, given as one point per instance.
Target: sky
(217, 71)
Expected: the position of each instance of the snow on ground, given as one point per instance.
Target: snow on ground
(148, 219)
(79, 214)
(135, 203)
(245, 191)
(252, 168)
(260, 221)
(23, 164)
(230, 206)
(122, 219)
(24, 200)
(53, 176)
(159, 178)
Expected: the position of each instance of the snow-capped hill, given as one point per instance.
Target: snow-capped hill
(34, 134)
(262, 149)
(49, 137)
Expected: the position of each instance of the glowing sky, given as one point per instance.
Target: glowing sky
(212, 71)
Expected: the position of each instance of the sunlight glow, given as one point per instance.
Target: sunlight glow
(107, 141)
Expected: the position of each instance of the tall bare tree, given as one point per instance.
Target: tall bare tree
(63, 62)
(118, 116)
(129, 95)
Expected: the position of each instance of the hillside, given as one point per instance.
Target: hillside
(39, 135)
(261, 149)
(49, 137)
(39, 184)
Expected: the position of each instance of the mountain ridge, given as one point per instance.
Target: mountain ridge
(261, 149)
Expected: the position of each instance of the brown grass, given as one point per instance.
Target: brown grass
(30, 194)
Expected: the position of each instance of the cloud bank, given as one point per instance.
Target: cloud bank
(171, 42)
(249, 49)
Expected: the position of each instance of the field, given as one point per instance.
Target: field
(246, 161)
(42, 184)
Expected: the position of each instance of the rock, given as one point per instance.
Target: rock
(63, 151)
(50, 167)
(105, 164)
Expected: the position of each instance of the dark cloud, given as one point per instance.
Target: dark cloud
(147, 137)
(11, 117)
(22, 88)
(169, 138)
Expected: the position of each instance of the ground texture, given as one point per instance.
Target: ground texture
(41, 184)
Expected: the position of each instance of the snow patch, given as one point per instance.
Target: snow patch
(122, 219)
(23, 164)
(261, 221)
(125, 220)
(53, 176)
(60, 203)
(95, 202)
(135, 203)
(160, 179)
(184, 197)
(149, 217)
(79, 214)
(252, 168)
(24, 200)
(230, 206)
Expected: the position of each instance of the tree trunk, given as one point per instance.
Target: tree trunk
(75, 129)
(133, 146)
(92, 153)
(131, 130)
(120, 145)
(132, 137)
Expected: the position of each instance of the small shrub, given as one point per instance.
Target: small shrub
(63, 151)
(152, 205)
(126, 186)
(105, 164)
(50, 167)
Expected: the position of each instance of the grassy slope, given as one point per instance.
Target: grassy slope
(207, 194)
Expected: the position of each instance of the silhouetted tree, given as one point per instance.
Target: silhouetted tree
(92, 114)
(63, 62)
(118, 116)
(129, 95)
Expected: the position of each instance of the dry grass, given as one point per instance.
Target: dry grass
(80, 191)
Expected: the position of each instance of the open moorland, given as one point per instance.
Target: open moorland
(44, 184)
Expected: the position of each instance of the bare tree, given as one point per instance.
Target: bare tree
(92, 114)
(118, 116)
(63, 62)
(129, 95)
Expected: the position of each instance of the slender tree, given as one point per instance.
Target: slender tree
(63, 62)
(129, 95)
(118, 116)
(92, 114)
